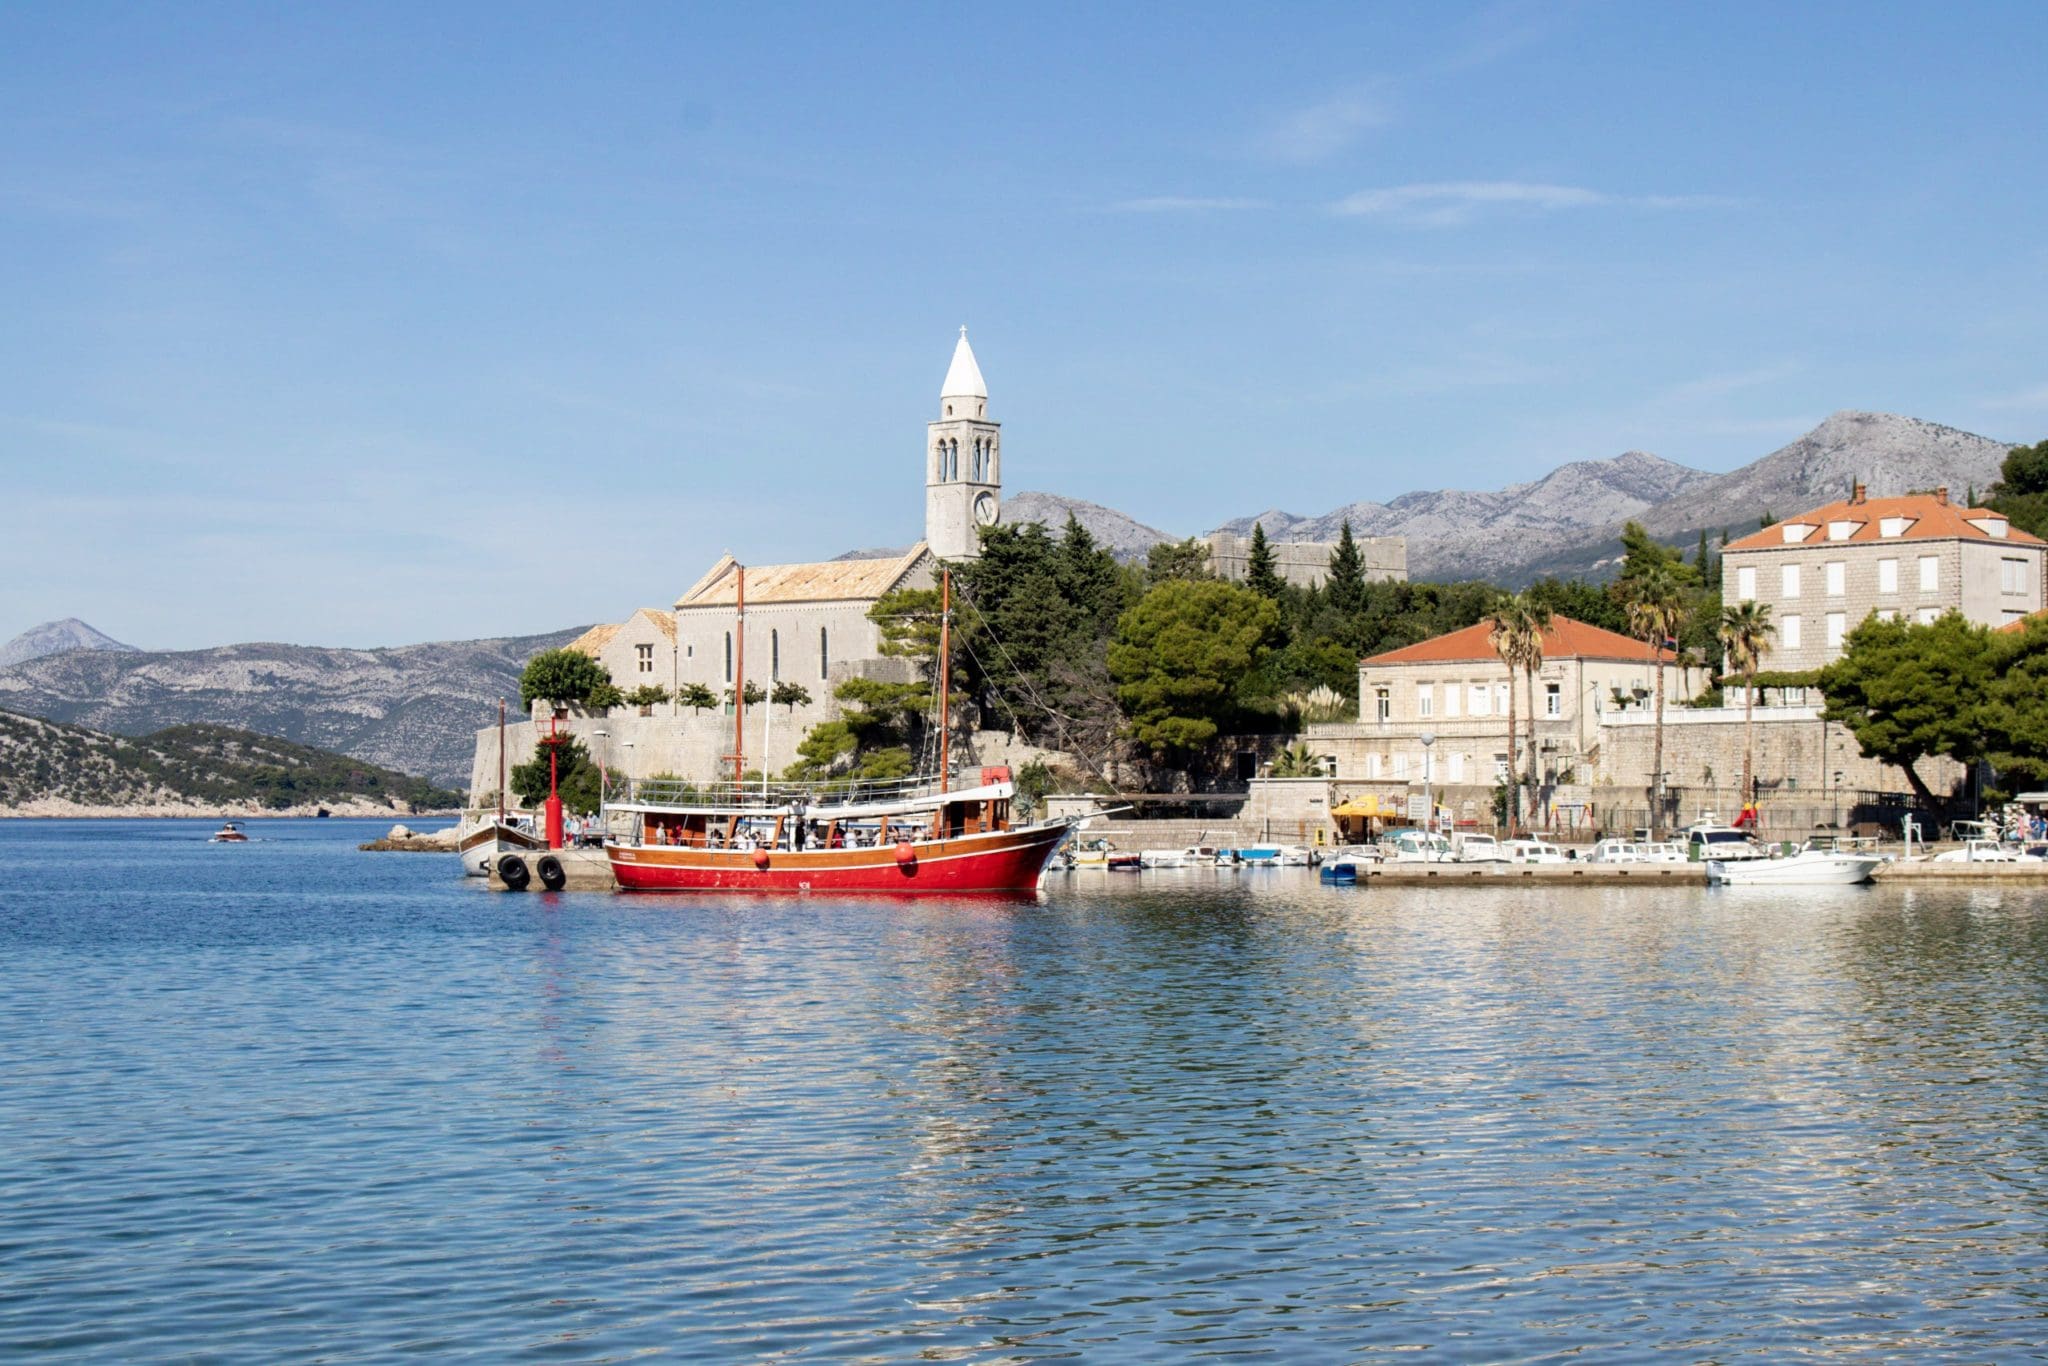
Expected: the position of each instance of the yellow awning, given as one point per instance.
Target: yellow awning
(1358, 806)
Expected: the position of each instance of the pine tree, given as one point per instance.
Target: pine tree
(1347, 573)
(1259, 573)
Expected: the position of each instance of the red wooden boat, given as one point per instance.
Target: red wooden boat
(920, 836)
(916, 838)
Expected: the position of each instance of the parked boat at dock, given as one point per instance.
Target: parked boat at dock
(1807, 868)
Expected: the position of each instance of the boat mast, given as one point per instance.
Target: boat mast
(945, 675)
(501, 761)
(739, 681)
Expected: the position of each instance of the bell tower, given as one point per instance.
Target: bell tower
(963, 469)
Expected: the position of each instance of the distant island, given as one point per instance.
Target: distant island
(51, 769)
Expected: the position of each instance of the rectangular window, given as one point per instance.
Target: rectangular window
(1400, 765)
(1887, 576)
(2012, 576)
(824, 656)
(1457, 767)
(1477, 700)
(1930, 573)
(1500, 768)
(1425, 700)
(1382, 704)
(728, 656)
(1838, 626)
(1372, 765)
(1745, 583)
(1500, 699)
(1450, 699)
(1789, 581)
(1838, 578)
(1887, 614)
(644, 655)
(1894, 526)
(1788, 629)
(1553, 699)
(1928, 615)
(2009, 615)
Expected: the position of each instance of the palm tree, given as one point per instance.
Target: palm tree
(1297, 761)
(1656, 609)
(1537, 615)
(1746, 633)
(1509, 636)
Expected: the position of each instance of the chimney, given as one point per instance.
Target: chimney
(1856, 493)
(1941, 495)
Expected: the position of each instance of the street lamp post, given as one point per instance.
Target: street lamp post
(1835, 821)
(1428, 738)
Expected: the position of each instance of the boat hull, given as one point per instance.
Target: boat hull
(481, 847)
(1004, 861)
(1826, 870)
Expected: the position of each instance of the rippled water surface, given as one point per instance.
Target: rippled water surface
(291, 1101)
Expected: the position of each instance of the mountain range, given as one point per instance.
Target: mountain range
(413, 708)
(1569, 521)
(54, 638)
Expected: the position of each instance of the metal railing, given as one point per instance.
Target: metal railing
(771, 795)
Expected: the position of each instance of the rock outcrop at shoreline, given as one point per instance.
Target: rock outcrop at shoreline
(48, 769)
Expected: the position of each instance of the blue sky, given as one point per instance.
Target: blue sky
(322, 322)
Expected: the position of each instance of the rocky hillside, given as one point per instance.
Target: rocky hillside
(413, 708)
(53, 770)
(54, 638)
(1125, 537)
(1890, 454)
(1455, 534)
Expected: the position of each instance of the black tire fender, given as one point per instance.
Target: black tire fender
(513, 873)
(553, 876)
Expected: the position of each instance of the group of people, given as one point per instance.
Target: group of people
(797, 835)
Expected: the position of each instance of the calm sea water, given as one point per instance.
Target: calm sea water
(292, 1101)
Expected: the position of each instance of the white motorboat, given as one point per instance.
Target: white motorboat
(1985, 851)
(1299, 856)
(1415, 846)
(1532, 851)
(1480, 849)
(1163, 858)
(1710, 841)
(1807, 868)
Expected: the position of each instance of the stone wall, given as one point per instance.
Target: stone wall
(1307, 563)
(1797, 754)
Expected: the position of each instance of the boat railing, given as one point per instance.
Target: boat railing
(773, 795)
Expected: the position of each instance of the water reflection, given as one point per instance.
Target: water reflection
(1208, 1113)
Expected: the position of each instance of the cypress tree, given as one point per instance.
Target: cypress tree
(1347, 573)
(1259, 574)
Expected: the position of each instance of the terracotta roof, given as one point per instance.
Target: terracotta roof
(1564, 639)
(2019, 624)
(664, 621)
(831, 581)
(1929, 516)
(593, 640)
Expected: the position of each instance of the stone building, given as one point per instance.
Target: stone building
(1307, 563)
(805, 623)
(1822, 572)
(1454, 689)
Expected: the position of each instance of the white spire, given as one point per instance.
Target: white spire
(963, 376)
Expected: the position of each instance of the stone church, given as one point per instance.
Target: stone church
(806, 624)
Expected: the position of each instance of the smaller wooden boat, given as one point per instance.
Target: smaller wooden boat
(229, 833)
(480, 847)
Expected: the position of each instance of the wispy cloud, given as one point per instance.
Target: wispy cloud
(1178, 203)
(1322, 130)
(1451, 203)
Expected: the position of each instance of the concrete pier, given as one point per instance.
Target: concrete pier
(588, 871)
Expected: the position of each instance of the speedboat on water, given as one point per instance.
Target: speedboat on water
(229, 833)
(1807, 868)
(1299, 856)
(1163, 858)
